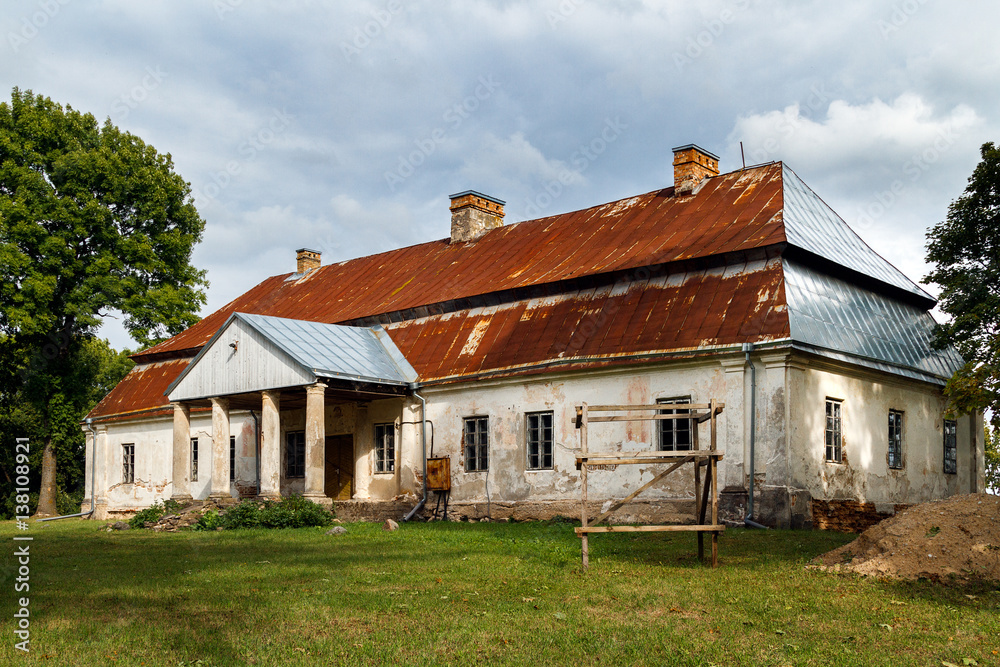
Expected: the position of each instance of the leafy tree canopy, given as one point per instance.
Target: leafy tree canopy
(92, 221)
(965, 250)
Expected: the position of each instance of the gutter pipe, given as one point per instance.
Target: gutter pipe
(93, 469)
(423, 449)
(748, 520)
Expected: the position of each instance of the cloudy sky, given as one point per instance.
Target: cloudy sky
(344, 126)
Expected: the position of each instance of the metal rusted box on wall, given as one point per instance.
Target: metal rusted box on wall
(439, 474)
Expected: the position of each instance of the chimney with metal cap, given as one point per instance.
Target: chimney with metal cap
(692, 164)
(473, 214)
(306, 260)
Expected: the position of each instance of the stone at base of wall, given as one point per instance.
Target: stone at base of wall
(640, 512)
(851, 516)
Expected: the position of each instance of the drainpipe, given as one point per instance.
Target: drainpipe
(423, 451)
(748, 520)
(93, 488)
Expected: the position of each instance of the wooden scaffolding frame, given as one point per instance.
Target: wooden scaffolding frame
(703, 494)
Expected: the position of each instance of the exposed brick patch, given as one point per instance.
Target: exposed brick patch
(849, 516)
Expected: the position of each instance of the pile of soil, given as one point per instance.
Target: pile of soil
(955, 539)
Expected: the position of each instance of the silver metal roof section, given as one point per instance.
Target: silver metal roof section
(252, 353)
(813, 226)
(843, 321)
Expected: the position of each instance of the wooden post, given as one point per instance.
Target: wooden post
(699, 503)
(713, 461)
(583, 481)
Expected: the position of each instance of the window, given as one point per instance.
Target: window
(385, 447)
(895, 439)
(128, 464)
(194, 459)
(950, 446)
(539, 439)
(675, 434)
(477, 444)
(232, 458)
(295, 454)
(834, 436)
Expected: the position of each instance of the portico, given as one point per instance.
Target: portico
(277, 369)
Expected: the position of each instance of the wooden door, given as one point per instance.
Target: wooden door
(339, 481)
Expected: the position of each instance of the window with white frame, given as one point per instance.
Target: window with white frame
(385, 447)
(675, 434)
(895, 455)
(475, 436)
(194, 459)
(128, 463)
(950, 446)
(295, 454)
(539, 440)
(834, 430)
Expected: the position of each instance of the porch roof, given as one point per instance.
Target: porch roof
(251, 353)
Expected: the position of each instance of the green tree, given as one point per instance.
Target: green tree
(92, 221)
(97, 368)
(992, 446)
(965, 251)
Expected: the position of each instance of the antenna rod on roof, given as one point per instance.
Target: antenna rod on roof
(743, 156)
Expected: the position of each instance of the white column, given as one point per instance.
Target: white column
(270, 449)
(182, 453)
(315, 442)
(363, 440)
(220, 449)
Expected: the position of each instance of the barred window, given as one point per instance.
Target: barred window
(834, 437)
(194, 459)
(950, 446)
(477, 444)
(295, 454)
(675, 434)
(232, 458)
(539, 440)
(128, 463)
(385, 447)
(895, 439)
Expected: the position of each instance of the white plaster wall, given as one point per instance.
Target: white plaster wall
(153, 440)
(865, 473)
(506, 402)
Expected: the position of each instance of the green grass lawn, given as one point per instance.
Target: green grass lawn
(456, 593)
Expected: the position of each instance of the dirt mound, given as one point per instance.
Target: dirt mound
(953, 539)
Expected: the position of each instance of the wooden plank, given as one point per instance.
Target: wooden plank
(642, 488)
(652, 454)
(651, 529)
(650, 418)
(631, 458)
(657, 406)
(616, 462)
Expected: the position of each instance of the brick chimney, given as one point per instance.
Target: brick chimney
(306, 260)
(692, 164)
(473, 214)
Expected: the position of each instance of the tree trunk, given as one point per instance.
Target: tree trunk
(47, 494)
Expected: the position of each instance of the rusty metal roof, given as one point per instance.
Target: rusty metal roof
(733, 212)
(649, 275)
(687, 312)
(141, 392)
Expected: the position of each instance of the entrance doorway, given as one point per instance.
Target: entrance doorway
(339, 483)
